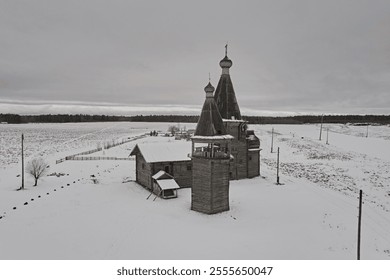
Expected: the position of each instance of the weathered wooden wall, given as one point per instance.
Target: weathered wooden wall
(210, 185)
(253, 164)
(182, 172)
(246, 163)
(178, 169)
(239, 165)
(143, 174)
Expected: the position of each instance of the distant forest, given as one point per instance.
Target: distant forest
(356, 119)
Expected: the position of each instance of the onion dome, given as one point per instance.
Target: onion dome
(209, 88)
(225, 62)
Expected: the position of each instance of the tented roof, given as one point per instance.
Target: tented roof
(225, 98)
(210, 122)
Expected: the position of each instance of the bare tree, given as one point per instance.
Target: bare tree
(173, 129)
(37, 168)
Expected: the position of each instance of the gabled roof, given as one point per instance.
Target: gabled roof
(168, 184)
(162, 175)
(162, 152)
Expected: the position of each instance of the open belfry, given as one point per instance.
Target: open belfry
(223, 148)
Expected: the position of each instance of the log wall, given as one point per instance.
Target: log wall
(179, 171)
(210, 185)
(143, 172)
(253, 164)
(246, 164)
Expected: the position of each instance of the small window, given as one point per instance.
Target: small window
(189, 167)
(250, 158)
(143, 166)
(166, 168)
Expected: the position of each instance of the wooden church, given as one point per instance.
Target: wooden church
(223, 149)
(245, 145)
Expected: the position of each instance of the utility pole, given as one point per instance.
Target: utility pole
(277, 169)
(272, 141)
(22, 187)
(322, 120)
(260, 160)
(327, 136)
(359, 224)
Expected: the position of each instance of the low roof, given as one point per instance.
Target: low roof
(238, 121)
(161, 174)
(212, 138)
(168, 184)
(162, 152)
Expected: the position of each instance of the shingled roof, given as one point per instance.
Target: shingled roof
(225, 98)
(210, 121)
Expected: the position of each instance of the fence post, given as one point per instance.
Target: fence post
(359, 223)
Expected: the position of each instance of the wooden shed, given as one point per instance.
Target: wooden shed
(170, 157)
(164, 185)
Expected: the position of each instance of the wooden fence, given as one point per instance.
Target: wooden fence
(111, 145)
(99, 158)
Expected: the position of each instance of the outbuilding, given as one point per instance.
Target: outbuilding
(164, 185)
(171, 157)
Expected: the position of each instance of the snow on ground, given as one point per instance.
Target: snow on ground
(312, 215)
(47, 139)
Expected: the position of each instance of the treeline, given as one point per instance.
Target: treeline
(64, 118)
(356, 119)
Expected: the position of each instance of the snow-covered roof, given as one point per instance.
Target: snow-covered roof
(168, 184)
(161, 152)
(216, 137)
(252, 137)
(160, 174)
(230, 120)
(254, 150)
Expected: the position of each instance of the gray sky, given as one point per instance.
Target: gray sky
(130, 57)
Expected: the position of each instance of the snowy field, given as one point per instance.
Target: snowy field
(46, 140)
(311, 215)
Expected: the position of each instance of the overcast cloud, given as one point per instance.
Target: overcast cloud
(128, 57)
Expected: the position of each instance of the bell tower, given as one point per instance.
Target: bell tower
(210, 160)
